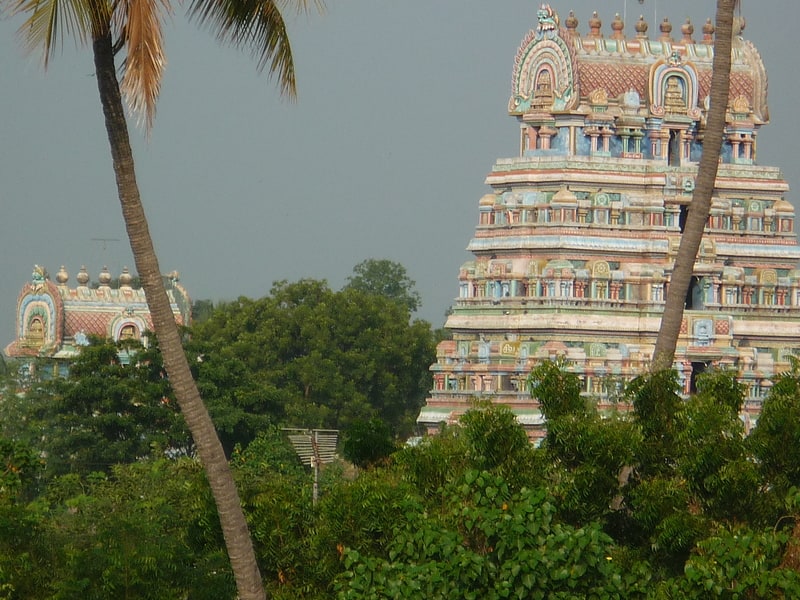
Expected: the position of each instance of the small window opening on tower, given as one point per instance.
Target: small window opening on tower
(682, 216)
(674, 149)
(694, 294)
(698, 368)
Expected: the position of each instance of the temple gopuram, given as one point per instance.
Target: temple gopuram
(54, 320)
(575, 243)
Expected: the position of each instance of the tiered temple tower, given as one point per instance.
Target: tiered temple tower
(575, 244)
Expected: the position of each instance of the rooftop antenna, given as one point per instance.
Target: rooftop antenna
(315, 447)
(641, 2)
(104, 241)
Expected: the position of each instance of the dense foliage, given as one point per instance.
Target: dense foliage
(665, 498)
(670, 500)
(599, 510)
(114, 407)
(385, 278)
(308, 356)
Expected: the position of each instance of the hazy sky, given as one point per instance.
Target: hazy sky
(400, 115)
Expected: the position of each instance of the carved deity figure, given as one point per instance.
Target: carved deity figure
(128, 332)
(673, 97)
(543, 92)
(36, 332)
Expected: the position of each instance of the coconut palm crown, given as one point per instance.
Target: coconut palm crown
(134, 28)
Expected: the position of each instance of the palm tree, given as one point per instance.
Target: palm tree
(135, 27)
(664, 352)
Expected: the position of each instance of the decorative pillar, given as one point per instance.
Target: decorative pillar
(748, 147)
(532, 137)
(664, 146)
(545, 134)
(593, 133)
(735, 140)
(686, 145)
(606, 135)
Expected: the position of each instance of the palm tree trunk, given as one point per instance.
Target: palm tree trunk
(234, 525)
(667, 341)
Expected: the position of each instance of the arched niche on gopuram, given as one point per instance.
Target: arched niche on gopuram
(39, 314)
(543, 77)
(673, 88)
(127, 327)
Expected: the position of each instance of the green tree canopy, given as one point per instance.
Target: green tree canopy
(367, 442)
(473, 512)
(308, 356)
(385, 278)
(107, 411)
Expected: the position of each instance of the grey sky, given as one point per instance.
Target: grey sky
(401, 113)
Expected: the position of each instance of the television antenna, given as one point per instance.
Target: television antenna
(641, 3)
(315, 447)
(104, 241)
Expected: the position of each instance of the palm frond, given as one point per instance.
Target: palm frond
(257, 25)
(50, 22)
(300, 6)
(137, 23)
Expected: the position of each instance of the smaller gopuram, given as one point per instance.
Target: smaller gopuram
(576, 241)
(54, 320)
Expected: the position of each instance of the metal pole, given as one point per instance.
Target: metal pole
(315, 460)
(315, 493)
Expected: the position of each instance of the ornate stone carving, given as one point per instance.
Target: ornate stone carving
(548, 21)
(598, 97)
